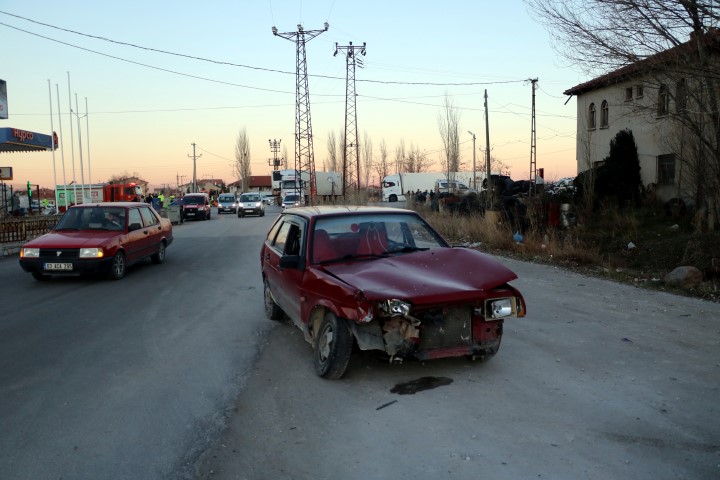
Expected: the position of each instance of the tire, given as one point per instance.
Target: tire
(393, 198)
(333, 347)
(40, 277)
(117, 267)
(159, 257)
(272, 309)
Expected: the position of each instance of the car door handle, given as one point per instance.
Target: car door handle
(145, 232)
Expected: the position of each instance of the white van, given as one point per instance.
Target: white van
(227, 202)
(459, 188)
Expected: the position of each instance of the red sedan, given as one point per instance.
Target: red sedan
(98, 238)
(384, 279)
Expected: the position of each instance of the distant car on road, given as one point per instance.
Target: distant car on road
(227, 202)
(292, 200)
(98, 238)
(268, 198)
(251, 204)
(196, 206)
(383, 279)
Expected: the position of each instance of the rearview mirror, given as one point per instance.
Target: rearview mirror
(292, 261)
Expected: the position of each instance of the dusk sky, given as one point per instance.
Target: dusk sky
(146, 107)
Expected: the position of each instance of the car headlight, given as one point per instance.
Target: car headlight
(91, 253)
(30, 252)
(499, 308)
(395, 307)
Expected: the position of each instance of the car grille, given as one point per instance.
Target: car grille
(446, 327)
(59, 253)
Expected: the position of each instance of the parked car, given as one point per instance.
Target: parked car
(98, 238)
(251, 204)
(227, 202)
(196, 206)
(292, 200)
(384, 279)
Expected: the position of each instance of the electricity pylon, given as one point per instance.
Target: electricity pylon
(351, 150)
(275, 148)
(304, 153)
(533, 142)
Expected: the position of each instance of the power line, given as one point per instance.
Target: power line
(217, 62)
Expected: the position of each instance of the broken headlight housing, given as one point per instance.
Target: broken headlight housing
(394, 307)
(499, 308)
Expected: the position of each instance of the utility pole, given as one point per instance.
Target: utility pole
(490, 187)
(275, 149)
(351, 152)
(194, 157)
(533, 142)
(474, 184)
(304, 153)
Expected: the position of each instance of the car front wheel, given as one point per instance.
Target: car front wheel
(272, 309)
(117, 266)
(333, 346)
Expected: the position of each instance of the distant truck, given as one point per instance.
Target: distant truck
(397, 185)
(98, 192)
(327, 184)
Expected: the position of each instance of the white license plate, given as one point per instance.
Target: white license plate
(58, 266)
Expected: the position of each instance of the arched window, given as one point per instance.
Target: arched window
(681, 95)
(604, 114)
(663, 106)
(591, 116)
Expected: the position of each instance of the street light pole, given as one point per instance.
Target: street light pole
(474, 174)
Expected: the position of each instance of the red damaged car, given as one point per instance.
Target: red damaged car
(384, 279)
(98, 238)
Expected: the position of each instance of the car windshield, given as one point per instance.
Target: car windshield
(192, 200)
(250, 198)
(226, 198)
(93, 218)
(291, 198)
(372, 235)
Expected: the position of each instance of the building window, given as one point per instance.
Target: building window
(638, 91)
(604, 114)
(681, 95)
(666, 169)
(628, 94)
(591, 116)
(663, 106)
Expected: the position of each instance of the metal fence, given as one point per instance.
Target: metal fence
(25, 228)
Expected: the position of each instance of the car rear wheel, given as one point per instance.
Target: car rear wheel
(333, 346)
(117, 266)
(159, 257)
(272, 309)
(40, 277)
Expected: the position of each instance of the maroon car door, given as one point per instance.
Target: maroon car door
(136, 237)
(153, 229)
(286, 282)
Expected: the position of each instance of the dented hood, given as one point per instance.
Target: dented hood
(432, 276)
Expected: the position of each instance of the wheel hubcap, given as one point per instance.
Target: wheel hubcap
(325, 344)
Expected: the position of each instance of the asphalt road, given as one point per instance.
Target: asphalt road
(174, 373)
(130, 379)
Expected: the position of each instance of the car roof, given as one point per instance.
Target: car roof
(332, 210)
(110, 204)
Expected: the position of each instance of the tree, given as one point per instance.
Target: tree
(417, 160)
(671, 42)
(623, 167)
(400, 157)
(381, 166)
(448, 121)
(332, 151)
(241, 167)
(367, 154)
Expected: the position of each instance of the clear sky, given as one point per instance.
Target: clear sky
(146, 108)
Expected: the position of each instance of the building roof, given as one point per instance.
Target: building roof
(259, 181)
(642, 67)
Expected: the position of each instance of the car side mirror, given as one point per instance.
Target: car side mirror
(292, 261)
(134, 226)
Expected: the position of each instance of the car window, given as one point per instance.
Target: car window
(402, 231)
(134, 217)
(149, 219)
(289, 239)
